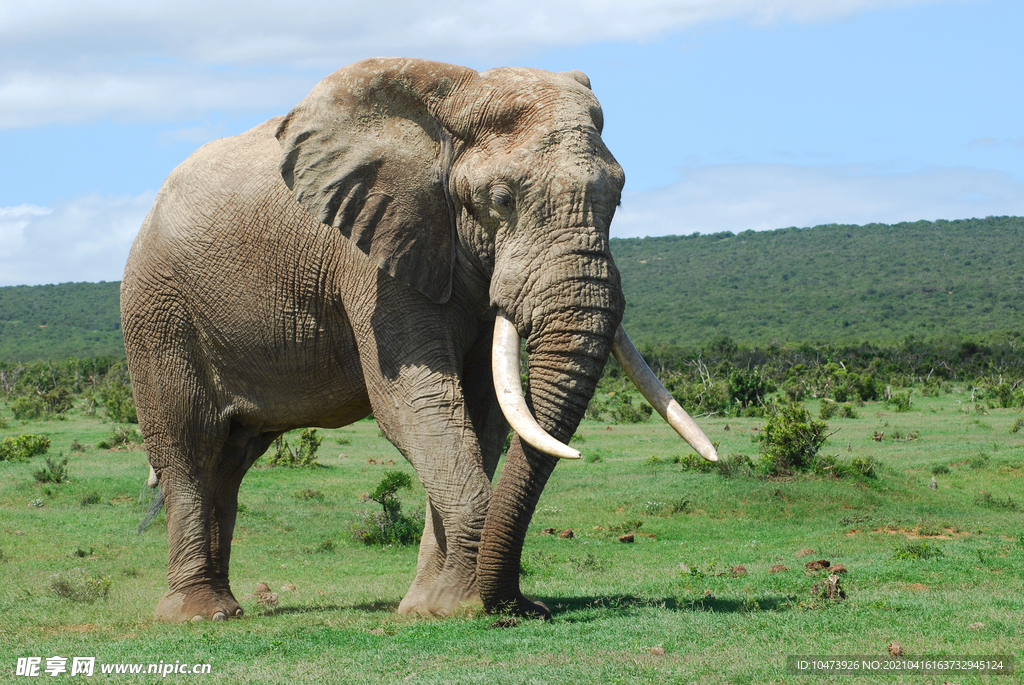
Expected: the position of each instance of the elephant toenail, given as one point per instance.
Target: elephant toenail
(198, 617)
(220, 616)
(239, 612)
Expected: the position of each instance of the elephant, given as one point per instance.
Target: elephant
(384, 247)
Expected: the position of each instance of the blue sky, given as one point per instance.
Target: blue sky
(728, 115)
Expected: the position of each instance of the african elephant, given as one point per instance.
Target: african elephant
(371, 251)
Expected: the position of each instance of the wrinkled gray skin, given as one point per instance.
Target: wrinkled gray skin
(350, 257)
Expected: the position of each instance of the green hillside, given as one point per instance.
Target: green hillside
(831, 283)
(843, 284)
(60, 321)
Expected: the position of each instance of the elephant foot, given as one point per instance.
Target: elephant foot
(440, 600)
(197, 603)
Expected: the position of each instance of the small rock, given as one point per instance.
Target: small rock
(838, 568)
(818, 565)
(895, 648)
(778, 568)
(371, 461)
(290, 587)
(566, 534)
(608, 428)
(805, 552)
(267, 599)
(683, 568)
(975, 626)
(262, 587)
(738, 571)
(19, 532)
(657, 651)
(548, 531)
(628, 537)
(391, 462)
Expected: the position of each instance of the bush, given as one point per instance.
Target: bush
(1017, 425)
(391, 526)
(55, 471)
(303, 457)
(78, 586)
(916, 550)
(985, 499)
(749, 388)
(828, 409)
(694, 462)
(23, 447)
(940, 469)
(900, 401)
(28, 407)
(790, 440)
(121, 438)
(734, 465)
(119, 401)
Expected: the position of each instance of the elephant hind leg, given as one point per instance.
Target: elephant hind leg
(200, 485)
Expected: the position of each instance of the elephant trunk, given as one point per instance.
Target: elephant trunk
(568, 348)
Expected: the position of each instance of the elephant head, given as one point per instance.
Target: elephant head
(496, 188)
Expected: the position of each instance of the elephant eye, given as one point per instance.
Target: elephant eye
(502, 197)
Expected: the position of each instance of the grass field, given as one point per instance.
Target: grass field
(622, 613)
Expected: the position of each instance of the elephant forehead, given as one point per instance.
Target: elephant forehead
(516, 99)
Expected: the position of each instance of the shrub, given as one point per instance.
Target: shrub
(900, 401)
(978, 461)
(734, 465)
(91, 498)
(916, 550)
(3, 421)
(55, 471)
(985, 499)
(309, 494)
(846, 411)
(790, 440)
(303, 457)
(28, 407)
(694, 462)
(828, 409)
(1017, 425)
(78, 586)
(391, 526)
(121, 438)
(939, 469)
(625, 411)
(749, 388)
(119, 401)
(23, 447)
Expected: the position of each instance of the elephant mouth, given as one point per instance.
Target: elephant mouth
(507, 385)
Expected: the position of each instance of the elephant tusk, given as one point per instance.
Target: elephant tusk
(152, 481)
(651, 388)
(509, 388)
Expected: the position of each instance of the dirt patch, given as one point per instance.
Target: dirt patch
(915, 533)
(917, 587)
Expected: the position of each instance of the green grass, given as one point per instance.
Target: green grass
(611, 602)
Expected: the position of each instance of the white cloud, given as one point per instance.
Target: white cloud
(766, 196)
(86, 239)
(79, 60)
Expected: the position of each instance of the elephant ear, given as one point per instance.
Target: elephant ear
(366, 152)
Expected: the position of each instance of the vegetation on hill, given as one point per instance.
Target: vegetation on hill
(834, 283)
(60, 321)
(951, 280)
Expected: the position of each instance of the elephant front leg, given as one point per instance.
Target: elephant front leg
(192, 532)
(424, 415)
